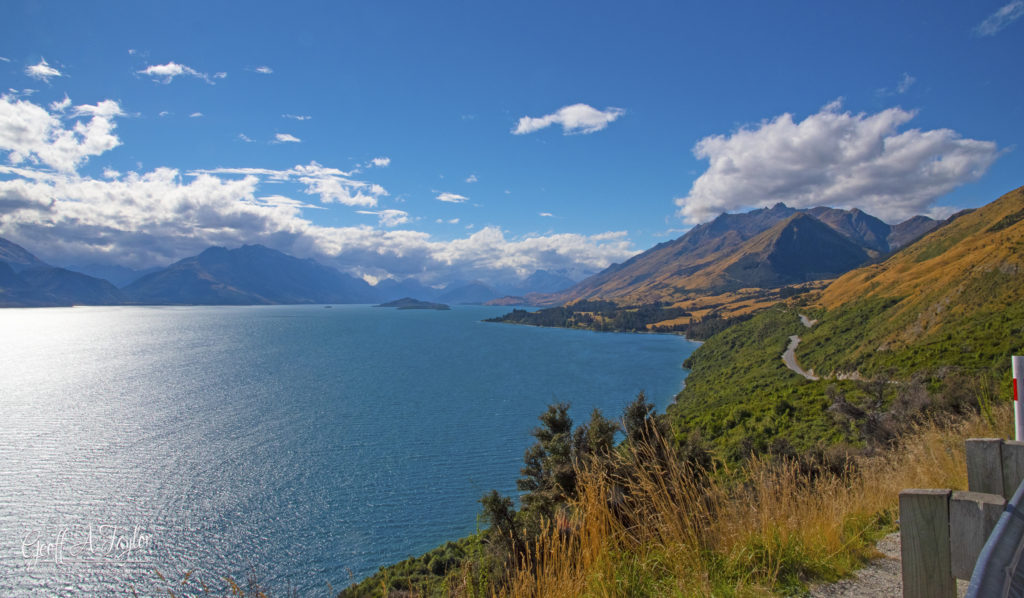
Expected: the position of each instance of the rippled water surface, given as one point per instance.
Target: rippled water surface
(308, 446)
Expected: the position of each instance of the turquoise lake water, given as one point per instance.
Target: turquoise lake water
(307, 446)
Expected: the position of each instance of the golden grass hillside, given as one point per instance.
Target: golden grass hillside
(733, 304)
(938, 269)
(953, 298)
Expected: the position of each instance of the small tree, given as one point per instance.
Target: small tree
(595, 439)
(503, 533)
(549, 478)
(639, 420)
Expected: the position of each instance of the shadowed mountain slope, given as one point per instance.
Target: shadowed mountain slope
(249, 275)
(27, 281)
(18, 258)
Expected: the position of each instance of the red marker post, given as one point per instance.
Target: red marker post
(1017, 363)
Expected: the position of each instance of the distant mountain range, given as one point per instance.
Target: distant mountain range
(119, 276)
(27, 281)
(764, 248)
(768, 247)
(248, 275)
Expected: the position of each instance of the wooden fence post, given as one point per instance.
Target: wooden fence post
(985, 465)
(924, 544)
(972, 517)
(1013, 466)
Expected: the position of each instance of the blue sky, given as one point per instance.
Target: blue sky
(487, 140)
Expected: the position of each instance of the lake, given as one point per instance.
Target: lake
(304, 445)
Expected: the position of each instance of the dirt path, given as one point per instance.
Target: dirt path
(881, 577)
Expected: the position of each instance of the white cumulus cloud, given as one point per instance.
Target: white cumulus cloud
(388, 218)
(61, 105)
(834, 158)
(380, 162)
(451, 197)
(336, 190)
(905, 83)
(577, 118)
(284, 201)
(105, 109)
(31, 134)
(286, 138)
(265, 70)
(336, 186)
(42, 71)
(165, 73)
(1000, 19)
(331, 184)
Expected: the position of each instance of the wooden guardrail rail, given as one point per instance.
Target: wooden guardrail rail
(942, 532)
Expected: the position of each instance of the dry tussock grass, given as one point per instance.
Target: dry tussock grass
(664, 529)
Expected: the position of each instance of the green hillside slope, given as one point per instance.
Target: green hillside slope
(742, 398)
(922, 332)
(955, 297)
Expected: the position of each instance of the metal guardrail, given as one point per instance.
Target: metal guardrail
(999, 572)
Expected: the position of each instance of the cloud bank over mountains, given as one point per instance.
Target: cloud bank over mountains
(146, 218)
(834, 158)
(140, 219)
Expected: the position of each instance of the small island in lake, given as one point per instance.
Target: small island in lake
(410, 303)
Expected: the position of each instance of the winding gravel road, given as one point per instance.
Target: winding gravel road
(789, 355)
(789, 358)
